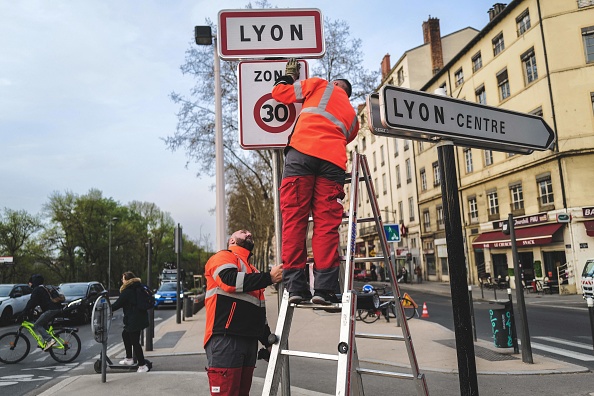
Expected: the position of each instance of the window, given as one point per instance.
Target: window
(472, 210)
(523, 22)
(420, 143)
(423, 179)
(481, 95)
(537, 112)
(545, 191)
(408, 171)
(427, 220)
(488, 157)
(585, 3)
(376, 185)
(374, 161)
(588, 35)
(493, 202)
(398, 180)
(592, 100)
(517, 197)
(468, 159)
(396, 147)
(384, 184)
(411, 209)
(405, 144)
(363, 145)
(477, 62)
(503, 84)
(401, 211)
(529, 62)
(444, 87)
(436, 180)
(400, 76)
(382, 158)
(498, 44)
(440, 220)
(459, 76)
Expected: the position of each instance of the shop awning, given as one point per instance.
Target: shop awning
(589, 227)
(538, 235)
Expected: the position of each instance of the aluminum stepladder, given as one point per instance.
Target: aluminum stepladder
(349, 373)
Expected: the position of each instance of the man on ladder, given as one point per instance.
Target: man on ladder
(313, 179)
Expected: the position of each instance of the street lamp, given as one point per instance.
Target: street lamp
(203, 36)
(113, 220)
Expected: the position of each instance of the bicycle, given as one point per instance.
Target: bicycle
(15, 346)
(388, 307)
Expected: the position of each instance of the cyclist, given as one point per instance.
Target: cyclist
(40, 296)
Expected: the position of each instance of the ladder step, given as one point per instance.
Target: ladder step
(365, 259)
(382, 373)
(380, 336)
(311, 355)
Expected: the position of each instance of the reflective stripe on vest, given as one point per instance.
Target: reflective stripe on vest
(244, 296)
(320, 109)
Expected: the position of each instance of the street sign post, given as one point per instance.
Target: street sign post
(264, 123)
(392, 232)
(424, 116)
(286, 33)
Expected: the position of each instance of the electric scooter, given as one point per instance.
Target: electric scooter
(113, 366)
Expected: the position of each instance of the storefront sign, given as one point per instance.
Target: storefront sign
(588, 212)
(525, 220)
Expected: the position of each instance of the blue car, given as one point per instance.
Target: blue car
(166, 295)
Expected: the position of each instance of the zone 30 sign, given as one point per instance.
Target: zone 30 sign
(264, 122)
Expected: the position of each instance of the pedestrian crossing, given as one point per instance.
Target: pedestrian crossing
(558, 346)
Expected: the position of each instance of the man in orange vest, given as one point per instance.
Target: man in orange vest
(235, 316)
(313, 179)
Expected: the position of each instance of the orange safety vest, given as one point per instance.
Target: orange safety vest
(327, 121)
(230, 310)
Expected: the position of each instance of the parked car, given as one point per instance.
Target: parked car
(588, 279)
(80, 298)
(13, 299)
(166, 295)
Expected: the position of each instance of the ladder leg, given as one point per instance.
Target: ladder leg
(275, 363)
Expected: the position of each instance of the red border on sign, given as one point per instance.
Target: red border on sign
(270, 129)
(226, 52)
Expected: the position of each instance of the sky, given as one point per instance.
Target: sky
(84, 92)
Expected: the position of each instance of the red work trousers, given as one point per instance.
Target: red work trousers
(230, 381)
(300, 195)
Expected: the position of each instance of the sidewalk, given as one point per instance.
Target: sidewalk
(434, 346)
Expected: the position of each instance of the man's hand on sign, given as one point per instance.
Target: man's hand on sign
(292, 68)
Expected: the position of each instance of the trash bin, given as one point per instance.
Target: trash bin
(502, 324)
(188, 306)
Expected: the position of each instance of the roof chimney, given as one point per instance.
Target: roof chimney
(496, 10)
(386, 66)
(432, 36)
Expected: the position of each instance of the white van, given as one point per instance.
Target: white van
(588, 279)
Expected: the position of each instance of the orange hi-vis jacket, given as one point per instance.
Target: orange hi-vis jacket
(234, 298)
(327, 121)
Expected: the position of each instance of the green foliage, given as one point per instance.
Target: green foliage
(510, 272)
(71, 240)
(537, 269)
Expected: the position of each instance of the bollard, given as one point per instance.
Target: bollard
(472, 312)
(188, 306)
(590, 302)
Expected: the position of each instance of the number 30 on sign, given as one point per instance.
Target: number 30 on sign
(263, 122)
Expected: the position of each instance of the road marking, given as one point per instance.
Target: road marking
(566, 342)
(563, 352)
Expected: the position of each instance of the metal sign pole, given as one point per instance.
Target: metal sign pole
(103, 322)
(178, 248)
(150, 332)
(276, 179)
(456, 263)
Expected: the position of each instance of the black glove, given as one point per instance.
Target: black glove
(292, 68)
(264, 354)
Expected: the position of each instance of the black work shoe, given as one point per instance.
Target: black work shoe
(324, 297)
(299, 296)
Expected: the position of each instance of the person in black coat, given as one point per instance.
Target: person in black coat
(135, 320)
(40, 296)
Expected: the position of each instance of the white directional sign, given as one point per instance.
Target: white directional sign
(264, 122)
(420, 115)
(266, 33)
(6, 260)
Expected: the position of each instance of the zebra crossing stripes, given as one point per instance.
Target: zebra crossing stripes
(564, 351)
